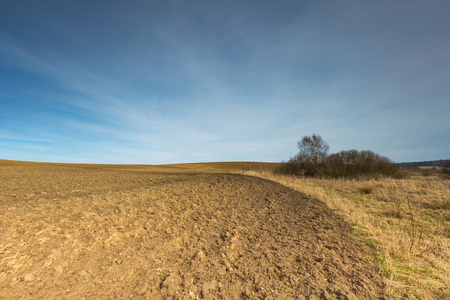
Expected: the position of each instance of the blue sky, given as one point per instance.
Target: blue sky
(156, 82)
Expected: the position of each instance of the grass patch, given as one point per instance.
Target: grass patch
(366, 189)
(372, 243)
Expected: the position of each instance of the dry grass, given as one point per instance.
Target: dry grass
(405, 221)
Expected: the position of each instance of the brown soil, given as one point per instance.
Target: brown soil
(99, 232)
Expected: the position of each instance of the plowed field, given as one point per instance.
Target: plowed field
(104, 232)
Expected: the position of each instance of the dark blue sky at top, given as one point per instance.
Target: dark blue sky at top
(187, 81)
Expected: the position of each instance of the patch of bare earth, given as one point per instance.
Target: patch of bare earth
(97, 233)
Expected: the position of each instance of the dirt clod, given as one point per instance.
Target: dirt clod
(28, 277)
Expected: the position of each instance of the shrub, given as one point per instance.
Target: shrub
(313, 161)
(446, 168)
(353, 163)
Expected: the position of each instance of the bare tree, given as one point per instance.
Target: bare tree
(313, 151)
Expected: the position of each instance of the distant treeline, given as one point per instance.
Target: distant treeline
(431, 163)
